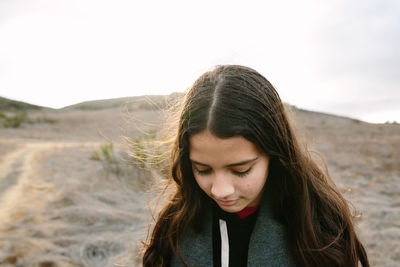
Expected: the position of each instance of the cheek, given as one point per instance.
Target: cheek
(256, 183)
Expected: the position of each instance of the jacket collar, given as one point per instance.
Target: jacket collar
(268, 242)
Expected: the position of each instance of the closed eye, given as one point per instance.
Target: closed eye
(202, 172)
(241, 174)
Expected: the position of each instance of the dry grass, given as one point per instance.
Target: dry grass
(61, 208)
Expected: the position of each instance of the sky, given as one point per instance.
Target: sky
(339, 57)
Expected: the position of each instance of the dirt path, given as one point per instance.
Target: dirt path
(19, 163)
(59, 208)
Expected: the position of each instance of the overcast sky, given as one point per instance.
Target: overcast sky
(339, 57)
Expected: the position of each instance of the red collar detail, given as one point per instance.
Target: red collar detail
(247, 211)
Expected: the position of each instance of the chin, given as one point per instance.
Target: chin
(231, 209)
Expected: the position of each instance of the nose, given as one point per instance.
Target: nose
(222, 187)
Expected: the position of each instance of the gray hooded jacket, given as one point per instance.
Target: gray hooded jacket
(268, 243)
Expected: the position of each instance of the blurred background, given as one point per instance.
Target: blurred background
(85, 91)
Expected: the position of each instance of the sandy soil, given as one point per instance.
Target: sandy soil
(59, 207)
(364, 160)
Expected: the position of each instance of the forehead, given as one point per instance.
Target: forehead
(206, 147)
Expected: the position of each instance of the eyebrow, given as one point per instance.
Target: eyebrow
(229, 165)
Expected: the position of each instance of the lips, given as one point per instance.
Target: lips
(227, 203)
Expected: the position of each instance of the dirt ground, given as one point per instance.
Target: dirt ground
(63, 204)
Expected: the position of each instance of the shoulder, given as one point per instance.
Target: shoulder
(269, 241)
(196, 248)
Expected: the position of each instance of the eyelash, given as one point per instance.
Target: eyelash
(202, 172)
(240, 174)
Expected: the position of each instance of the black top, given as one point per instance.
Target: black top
(239, 232)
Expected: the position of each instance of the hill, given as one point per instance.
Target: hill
(13, 105)
(146, 102)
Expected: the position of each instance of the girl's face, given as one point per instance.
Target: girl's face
(232, 171)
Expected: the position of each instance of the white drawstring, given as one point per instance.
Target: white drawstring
(224, 243)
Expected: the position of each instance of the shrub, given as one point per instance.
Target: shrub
(108, 158)
(46, 119)
(95, 156)
(14, 121)
(108, 152)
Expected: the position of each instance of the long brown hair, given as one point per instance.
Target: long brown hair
(231, 101)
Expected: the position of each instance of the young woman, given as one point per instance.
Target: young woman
(245, 192)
